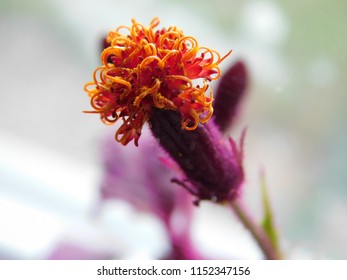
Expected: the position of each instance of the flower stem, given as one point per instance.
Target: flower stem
(269, 250)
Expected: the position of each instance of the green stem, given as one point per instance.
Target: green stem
(258, 233)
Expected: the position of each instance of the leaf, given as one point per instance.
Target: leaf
(268, 222)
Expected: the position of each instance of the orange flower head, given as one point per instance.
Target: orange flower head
(144, 68)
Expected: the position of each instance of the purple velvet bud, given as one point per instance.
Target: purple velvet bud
(230, 91)
(212, 166)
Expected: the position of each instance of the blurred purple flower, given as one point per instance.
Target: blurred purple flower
(70, 251)
(138, 176)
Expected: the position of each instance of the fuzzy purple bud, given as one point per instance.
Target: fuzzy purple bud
(230, 91)
(212, 166)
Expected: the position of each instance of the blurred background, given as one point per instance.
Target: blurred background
(295, 111)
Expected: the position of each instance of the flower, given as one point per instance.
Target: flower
(65, 250)
(139, 178)
(145, 68)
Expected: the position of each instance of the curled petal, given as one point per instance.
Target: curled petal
(146, 68)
